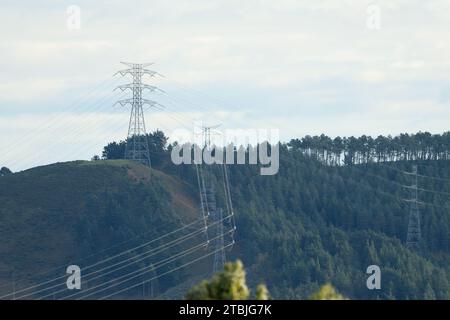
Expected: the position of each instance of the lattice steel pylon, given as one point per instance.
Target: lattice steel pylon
(137, 147)
(219, 255)
(209, 205)
(414, 235)
(216, 215)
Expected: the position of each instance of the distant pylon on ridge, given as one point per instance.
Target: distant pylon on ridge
(414, 231)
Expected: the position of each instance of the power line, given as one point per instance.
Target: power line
(434, 178)
(55, 119)
(428, 190)
(139, 88)
(146, 255)
(108, 258)
(170, 271)
(97, 253)
(59, 138)
(135, 274)
(432, 205)
(140, 272)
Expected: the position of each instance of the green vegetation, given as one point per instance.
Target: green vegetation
(4, 171)
(59, 214)
(308, 225)
(326, 292)
(311, 224)
(365, 149)
(230, 284)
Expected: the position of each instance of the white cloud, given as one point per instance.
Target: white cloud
(308, 66)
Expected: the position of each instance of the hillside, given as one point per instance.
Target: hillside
(312, 224)
(305, 226)
(62, 213)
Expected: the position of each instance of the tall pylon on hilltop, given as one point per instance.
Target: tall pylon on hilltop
(137, 147)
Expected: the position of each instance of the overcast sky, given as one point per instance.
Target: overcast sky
(346, 67)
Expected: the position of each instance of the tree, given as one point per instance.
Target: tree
(157, 143)
(326, 292)
(114, 150)
(229, 284)
(262, 293)
(4, 171)
(365, 149)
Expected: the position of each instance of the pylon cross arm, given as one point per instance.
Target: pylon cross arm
(130, 64)
(141, 71)
(151, 72)
(124, 102)
(132, 86)
(151, 103)
(124, 72)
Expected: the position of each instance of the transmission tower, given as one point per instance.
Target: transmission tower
(207, 135)
(137, 148)
(209, 205)
(217, 222)
(219, 255)
(414, 233)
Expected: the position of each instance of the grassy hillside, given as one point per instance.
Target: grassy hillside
(59, 214)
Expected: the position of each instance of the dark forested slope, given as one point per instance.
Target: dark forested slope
(312, 224)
